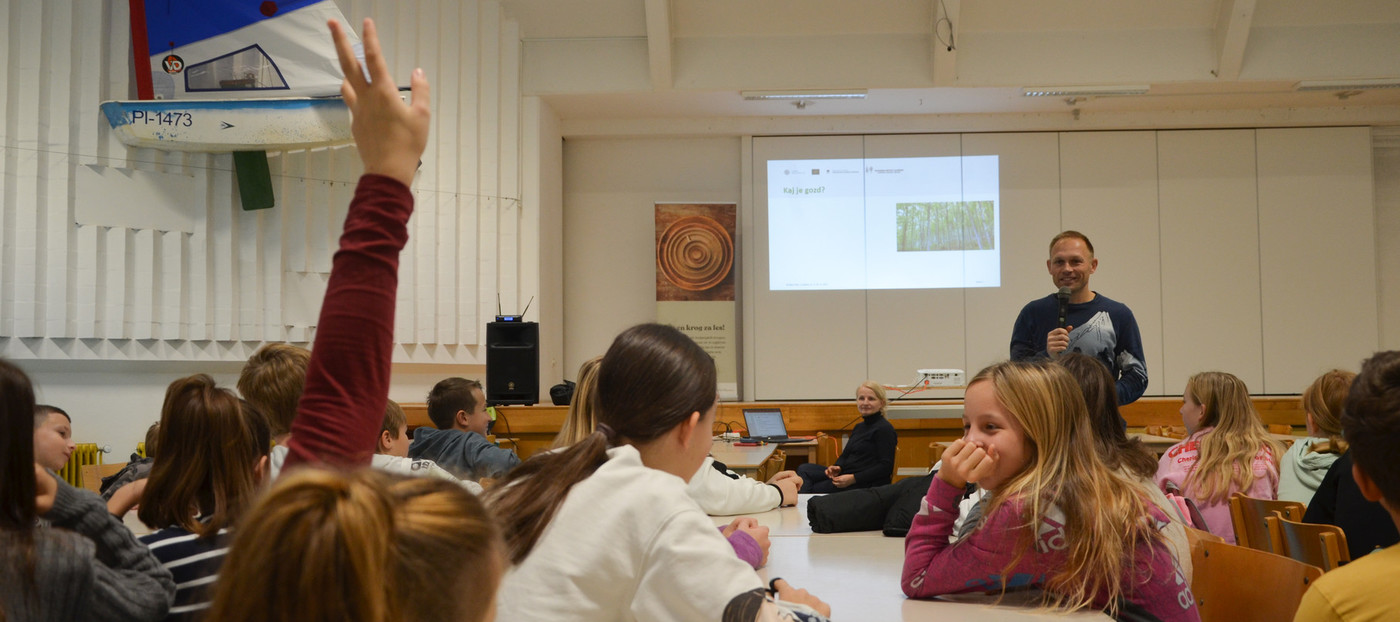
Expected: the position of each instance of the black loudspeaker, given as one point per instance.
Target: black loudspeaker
(512, 363)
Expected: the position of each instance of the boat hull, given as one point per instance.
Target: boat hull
(216, 126)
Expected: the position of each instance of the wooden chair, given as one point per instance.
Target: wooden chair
(828, 449)
(1324, 546)
(1240, 584)
(1280, 428)
(92, 474)
(1248, 514)
(770, 467)
(935, 451)
(1168, 431)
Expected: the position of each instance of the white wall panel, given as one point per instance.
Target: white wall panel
(1210, 257)
(237, 276)
(910, 329)
(1030, 216)
(1387, 174)
(1318, 262)
(809, 344)
(1108, 191)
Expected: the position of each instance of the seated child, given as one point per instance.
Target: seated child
(392, 452)
(1364, 589)
(138, 468)
(1228, 450)
(457, 407)
(85, 565)
(604, 529)
(272, 381)
(1057, 518)
(1306, 462)
(53, 437)
(214, 450)
(718, 492)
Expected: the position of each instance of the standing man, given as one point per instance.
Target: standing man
(1093, 324)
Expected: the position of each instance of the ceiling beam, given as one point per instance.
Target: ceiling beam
(659, 43)
(1231, 35)
(945, 61)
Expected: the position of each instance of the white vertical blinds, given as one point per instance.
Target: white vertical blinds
(214, 282)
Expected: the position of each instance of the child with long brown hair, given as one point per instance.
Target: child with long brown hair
(1228, 450)
(604, 529)
(213, 460)
(1305, 463)
(1057, 517)
(87, 566)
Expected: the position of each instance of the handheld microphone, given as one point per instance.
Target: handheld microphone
(1063, 297)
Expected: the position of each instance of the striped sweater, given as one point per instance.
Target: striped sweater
(194, 563)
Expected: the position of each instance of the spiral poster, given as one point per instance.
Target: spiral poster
(696, 259)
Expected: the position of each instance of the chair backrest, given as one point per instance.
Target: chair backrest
(828, 449)
(1280, 428)
(935, 451)
(770, 467)
(1240, 584)
(1324, 546)
(1169, 431)
(1247, 514)
(92, 474)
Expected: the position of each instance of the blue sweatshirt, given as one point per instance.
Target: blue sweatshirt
(467, 455)
(1104, 329)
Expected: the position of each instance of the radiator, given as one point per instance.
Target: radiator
(83, 454)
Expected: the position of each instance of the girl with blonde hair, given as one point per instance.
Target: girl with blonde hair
(1057, 518)
(581, 420)
(368, 547)
(1227, 450)
(1305, 463)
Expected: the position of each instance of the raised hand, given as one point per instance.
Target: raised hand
(389, 133)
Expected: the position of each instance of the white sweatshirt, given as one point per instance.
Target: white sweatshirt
(721, 495)
(628, 543)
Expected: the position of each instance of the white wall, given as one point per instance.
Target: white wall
(610, 191)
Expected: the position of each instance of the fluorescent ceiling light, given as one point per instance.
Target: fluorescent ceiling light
(805, 94)
(1084, 91)
(1347, 85)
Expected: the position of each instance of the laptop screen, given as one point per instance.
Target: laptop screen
(764, 422)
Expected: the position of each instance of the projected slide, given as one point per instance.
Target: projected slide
(883, 223)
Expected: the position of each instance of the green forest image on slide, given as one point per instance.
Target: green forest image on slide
(946, 226)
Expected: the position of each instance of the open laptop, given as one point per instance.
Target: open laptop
(766, 425)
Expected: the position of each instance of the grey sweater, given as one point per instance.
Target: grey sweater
(87, 567)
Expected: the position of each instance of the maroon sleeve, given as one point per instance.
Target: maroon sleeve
(347, 381)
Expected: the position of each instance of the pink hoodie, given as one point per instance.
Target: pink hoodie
(932, 566)
(1181, 458)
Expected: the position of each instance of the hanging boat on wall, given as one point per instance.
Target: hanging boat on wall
(233, 75)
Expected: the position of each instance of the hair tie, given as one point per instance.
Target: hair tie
(608, 432)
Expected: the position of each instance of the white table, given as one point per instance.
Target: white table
(745, 460)
(858, 574)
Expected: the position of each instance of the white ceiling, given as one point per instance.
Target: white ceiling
(600, 60)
